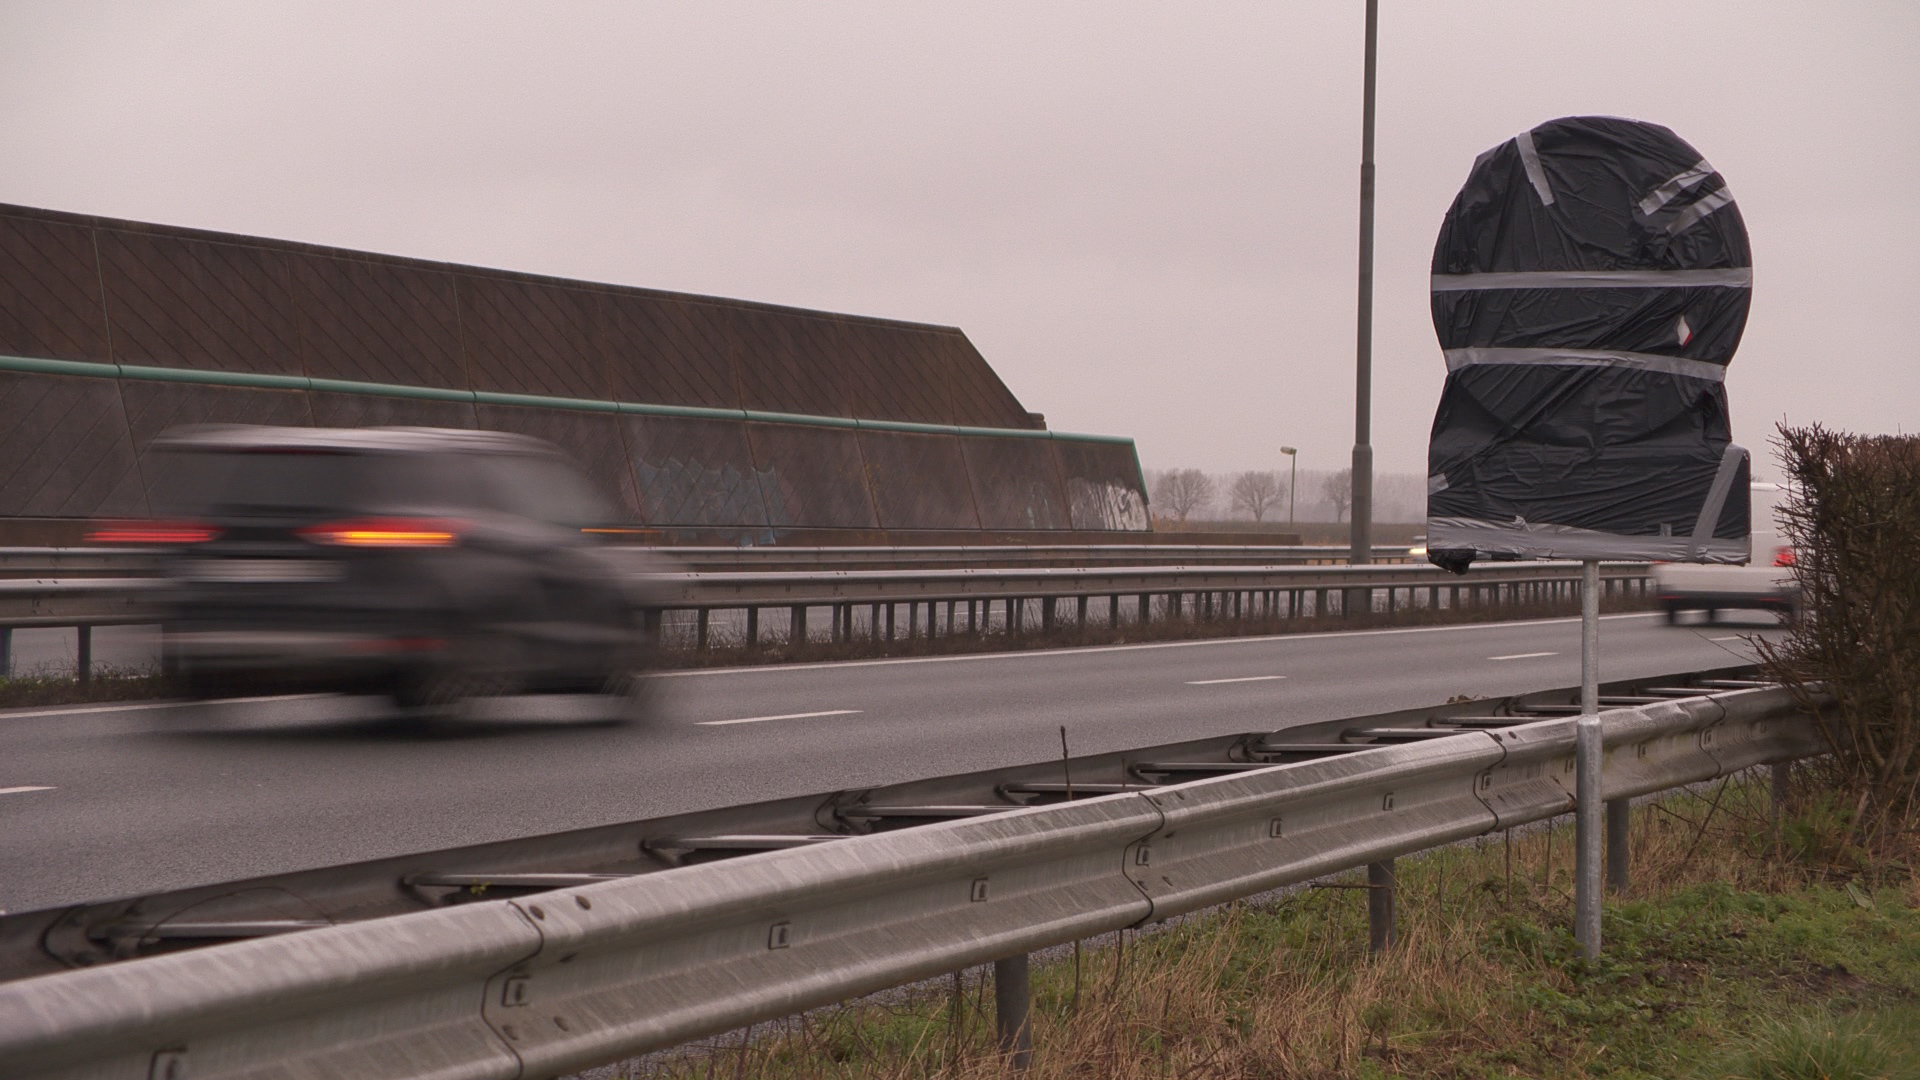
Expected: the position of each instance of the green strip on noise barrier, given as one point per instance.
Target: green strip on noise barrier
(257, 381)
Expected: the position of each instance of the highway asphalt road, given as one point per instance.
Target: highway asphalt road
(102, 802)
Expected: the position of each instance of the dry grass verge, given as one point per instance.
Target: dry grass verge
(1736, 953)
(36, 689)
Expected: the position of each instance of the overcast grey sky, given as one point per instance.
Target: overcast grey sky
(1143, 215)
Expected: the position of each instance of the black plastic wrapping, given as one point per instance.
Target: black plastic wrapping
(1591, 282)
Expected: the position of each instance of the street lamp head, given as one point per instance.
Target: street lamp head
(1289, 450)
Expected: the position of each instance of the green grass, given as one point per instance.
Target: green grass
(1731, 957)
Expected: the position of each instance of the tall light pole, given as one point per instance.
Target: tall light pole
(1362, 521)
(1293, 474)
(1380, 876)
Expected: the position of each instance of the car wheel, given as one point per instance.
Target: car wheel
(487, 665)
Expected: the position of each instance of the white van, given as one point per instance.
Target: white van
(1765, 583)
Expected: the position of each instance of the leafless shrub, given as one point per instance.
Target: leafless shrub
(1854, 523)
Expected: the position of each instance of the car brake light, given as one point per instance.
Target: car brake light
(151, 532)
(386, 532)
(1783, 557)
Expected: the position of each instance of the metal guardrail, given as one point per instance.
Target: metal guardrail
(1113, 594)
(1109, 594)
(54, 562)
(1012, 555)
(583, 974)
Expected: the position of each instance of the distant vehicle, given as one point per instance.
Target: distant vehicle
(1765, 583)
(440, 567)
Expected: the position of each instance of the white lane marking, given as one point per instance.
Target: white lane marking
(24, 788)
(1522, 655)
(1247, 678)
(1730, 637)
(782, 716)
(87, 710)
(1038, 654)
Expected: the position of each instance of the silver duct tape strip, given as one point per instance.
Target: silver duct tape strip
(1696, 213)
(1734, 277)
(1530, 160)
(1730, 461)
(1531, 540)
(578, 977)
(1671, 365)
(1671, 190)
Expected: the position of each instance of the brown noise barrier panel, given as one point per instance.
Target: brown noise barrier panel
(709, 420)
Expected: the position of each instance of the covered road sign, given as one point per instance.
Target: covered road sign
(1590, 285)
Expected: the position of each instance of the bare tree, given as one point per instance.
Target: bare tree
(1183, 491)
(1256, 493)
(1338, 490)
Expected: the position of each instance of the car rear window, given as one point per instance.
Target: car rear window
(276, 482)
(544, 488)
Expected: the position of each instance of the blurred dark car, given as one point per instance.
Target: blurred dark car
(440, 567)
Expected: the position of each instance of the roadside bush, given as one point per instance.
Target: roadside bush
(1854, 523)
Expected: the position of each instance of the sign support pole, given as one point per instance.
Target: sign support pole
(1587, 753)
(1361, 521)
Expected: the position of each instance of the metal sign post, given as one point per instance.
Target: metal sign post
(1587, 753)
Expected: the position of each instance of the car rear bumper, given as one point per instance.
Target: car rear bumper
(1697, 601)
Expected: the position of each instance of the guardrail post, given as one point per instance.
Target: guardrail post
(973, 621)
(6, 652)
(1012, 997)
(1146, 608)
(1319, 602)
(1083, 614)
(1113, 612)
(1046, 614)
(890, 610)
(1619, 819)
(913, 619)
(83, 666)
(1587, 754)
(797, 626)
(753, 629)
(700, 630)
(1380, 906)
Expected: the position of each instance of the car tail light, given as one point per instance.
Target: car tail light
(1783, 557)
(386, 532)
(151, 532)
